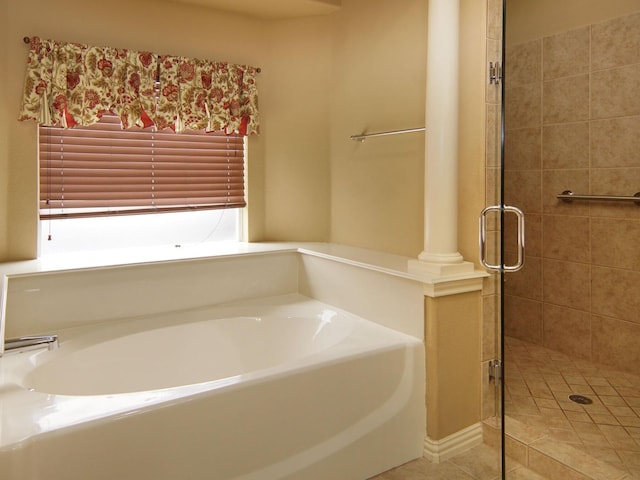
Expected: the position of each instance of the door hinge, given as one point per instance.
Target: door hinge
(495, 371)
(495, 73)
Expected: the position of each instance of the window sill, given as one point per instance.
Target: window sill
(61, 262)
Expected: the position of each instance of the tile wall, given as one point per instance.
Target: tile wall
(573, 123)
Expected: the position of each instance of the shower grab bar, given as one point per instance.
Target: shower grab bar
(568, 196)
(363, 136)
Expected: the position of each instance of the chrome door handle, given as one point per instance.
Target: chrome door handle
(483, 238)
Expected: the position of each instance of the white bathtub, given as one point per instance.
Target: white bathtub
(278, 388)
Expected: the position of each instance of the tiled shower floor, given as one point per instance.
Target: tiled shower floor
(538, 383)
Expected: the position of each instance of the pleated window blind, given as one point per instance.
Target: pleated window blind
(104, 170)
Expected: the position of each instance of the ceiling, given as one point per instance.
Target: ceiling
(271, 9)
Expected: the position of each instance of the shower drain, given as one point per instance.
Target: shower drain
(581, 399)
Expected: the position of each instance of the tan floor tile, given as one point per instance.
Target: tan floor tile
(565, 435)
(526, 409)
(578, 416)
(541, 391)
(552, 412)
(597, 410)
(546, 403)
(605, 390)
(522, 431)
(594, 439)
(629, 421)
(616, 381)
(575, 379)
(603, 419)
(524, 474)
(630, 458)
(585, 427)
(600, 381)
(518, 390)
(632, 401)
(560, 387)
(578, 460)
(581, 389)
(611, 400)
(628, 391)
(422, 469)
(622, 411)
(481, 462)
(619, 438)
(569, 406)
(553, 378)
(634, 432)
(608, 455)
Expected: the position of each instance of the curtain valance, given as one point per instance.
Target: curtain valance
(69, 84)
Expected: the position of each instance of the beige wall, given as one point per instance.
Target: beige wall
(379, 84)
(324, 79)
(474, 44)
(453, 338)
(4, 144)
(295, 99)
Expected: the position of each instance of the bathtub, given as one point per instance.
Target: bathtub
(284, 387)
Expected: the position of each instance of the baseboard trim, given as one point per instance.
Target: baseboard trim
(438, 451)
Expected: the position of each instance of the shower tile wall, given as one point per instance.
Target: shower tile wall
(573, 123)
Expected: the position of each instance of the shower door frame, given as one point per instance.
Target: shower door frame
(496, 366)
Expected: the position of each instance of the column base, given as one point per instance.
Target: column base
(441, 269)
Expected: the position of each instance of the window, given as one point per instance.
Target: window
(99, 171)
(93, 179)
(104, 170)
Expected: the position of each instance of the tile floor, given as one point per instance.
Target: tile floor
(538, 384)
(479, 463)
(549, 436)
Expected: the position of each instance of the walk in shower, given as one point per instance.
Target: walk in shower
(572, 314)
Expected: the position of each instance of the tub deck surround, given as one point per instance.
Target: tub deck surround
(55, 291)
(388, 263)
(308, 404)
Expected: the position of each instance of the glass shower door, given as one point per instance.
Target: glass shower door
(502, 237)
(570, 319)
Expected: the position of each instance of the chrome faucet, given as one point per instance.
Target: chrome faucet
(22, 344)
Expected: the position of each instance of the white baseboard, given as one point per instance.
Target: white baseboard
(438, 451)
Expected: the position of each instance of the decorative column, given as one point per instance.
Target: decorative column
(440, 255)
(452, 287)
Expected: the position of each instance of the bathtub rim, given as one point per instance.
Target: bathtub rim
(17, 401)
(80, 340)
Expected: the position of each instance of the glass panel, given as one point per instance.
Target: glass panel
(572, 315)
(492, 354)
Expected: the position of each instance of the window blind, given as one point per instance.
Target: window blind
(105, 170)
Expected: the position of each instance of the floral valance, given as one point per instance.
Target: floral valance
(69, 84)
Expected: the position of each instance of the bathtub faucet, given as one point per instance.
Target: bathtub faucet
(22, 344)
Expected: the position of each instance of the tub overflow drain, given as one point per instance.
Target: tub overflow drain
(581, 399)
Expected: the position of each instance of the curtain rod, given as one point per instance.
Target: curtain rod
(27, 40)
